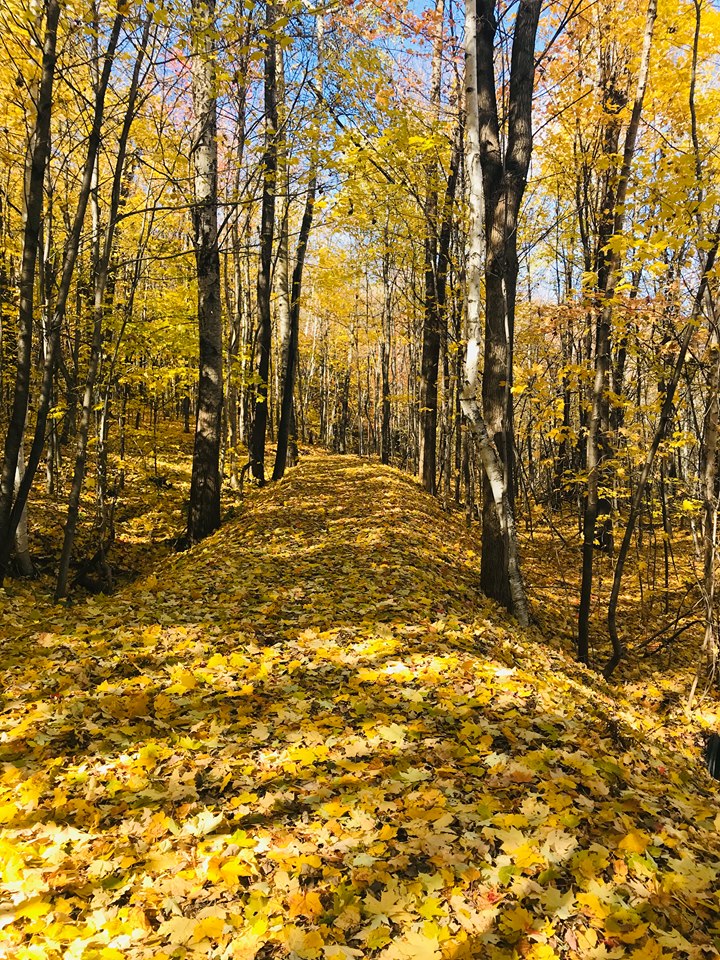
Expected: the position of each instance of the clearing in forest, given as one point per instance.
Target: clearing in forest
(309, 737)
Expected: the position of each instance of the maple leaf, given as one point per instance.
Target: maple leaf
(306, 944)
(419, 787)
(307, 904)
(203, 823)
(414, 945)
(178, 930)
(635, 842)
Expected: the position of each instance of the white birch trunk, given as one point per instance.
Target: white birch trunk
(492, 464)
(22, 545)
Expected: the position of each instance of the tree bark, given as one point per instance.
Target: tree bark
(7, 531)
(37, 158)
(430, 357)
(608, 275)
(204, 509)
(102, 273)
(495, 469)
(504, 181)
(267, 226)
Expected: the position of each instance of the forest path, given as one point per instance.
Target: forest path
(310, 737)
(338, 542)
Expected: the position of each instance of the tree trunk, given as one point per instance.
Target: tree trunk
(236, 323)
(204, 509)
(267, 225)
(7, 531)
(430, 358)
(283, 281)
(385, 348)
(38, 154)
(102, 272)
(22, 545)
(660, 430)
(286, 426)
(608, 275)
(504, 181)
(710, 508)
(288, 384)
(494, 467)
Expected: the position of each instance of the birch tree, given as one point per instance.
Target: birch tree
(495, 469)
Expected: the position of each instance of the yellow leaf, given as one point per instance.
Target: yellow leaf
(305, 905)
(211, 927)
(203, 824)
(378, 937)
(163, 705)
(634, 934)
(178, 930)
(516, 921)
(33, 909)
(587, 939)
(431, 908)
(305, 943)
(393, 733)
(635, 842)
(541, 951)
(593, 907)
(234, 868)
(12, 865)
(413, 946)
(184, 680)
(650, 951)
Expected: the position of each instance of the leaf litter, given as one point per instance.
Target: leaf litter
(311, 737)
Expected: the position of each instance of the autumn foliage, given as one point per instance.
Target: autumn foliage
(311, 738)
(359, 421)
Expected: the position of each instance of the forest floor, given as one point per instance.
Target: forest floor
(311, 737)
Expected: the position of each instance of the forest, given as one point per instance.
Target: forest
(360, 414)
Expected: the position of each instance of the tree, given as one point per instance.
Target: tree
(12, 510)
(267, 231)
(204, 508)
(293, 321)
(608, 268)
(432, 315)
(496, 471)
(504, 175)
(37, 158)
(102, 270)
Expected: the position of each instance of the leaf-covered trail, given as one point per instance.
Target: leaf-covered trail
(309, 737)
